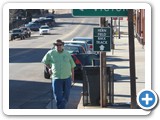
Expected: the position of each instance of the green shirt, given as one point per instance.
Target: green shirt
(61, 63)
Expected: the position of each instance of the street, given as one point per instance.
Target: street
(28, 89)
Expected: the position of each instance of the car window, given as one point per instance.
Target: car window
(81, 45)
(44, 27)
(84, 45)
(72, 49)
(48, 20)
(52, 17)
(81, 50)
(23, 28)
(89, 42)
(14, 31)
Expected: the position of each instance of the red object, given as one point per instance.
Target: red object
(121, 18)
(76, 60)
(115, 18)
(90, 46)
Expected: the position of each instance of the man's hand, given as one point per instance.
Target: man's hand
(50, 71)
(72, 83)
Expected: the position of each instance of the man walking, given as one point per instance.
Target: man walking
(61, 67)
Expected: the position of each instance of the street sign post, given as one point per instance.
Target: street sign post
(100, 12)
(132, 59)
(102, 39)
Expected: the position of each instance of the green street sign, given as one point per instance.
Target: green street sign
(100, 12)
(102, 39)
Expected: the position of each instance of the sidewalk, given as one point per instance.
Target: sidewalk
(120, 59)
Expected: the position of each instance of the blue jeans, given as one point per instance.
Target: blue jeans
(61, 91)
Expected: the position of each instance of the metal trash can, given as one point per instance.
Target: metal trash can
(91, 85)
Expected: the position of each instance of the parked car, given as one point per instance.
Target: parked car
(50, 16)
(17, 33)
(44, 29)
(33, 26)
(74, 49)
(82, 43)
(87, 39)
(42, 18)
(45, 21)
(27, 31)
(50, 22)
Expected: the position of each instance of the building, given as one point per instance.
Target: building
(139, 22)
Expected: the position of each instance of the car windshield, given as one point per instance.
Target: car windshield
(52, 17)
(24, 28)
(48, 20)
(44, 27)
(32, 24)
(72, 49)
(14, 31)
(81, 45)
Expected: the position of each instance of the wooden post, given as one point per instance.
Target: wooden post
(103, 77)
(119, 32)
(132, 59)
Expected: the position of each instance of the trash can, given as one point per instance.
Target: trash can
(91, 85)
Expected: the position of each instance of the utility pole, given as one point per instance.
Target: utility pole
(103, 77)
(112, 39)
(119, 32)
(132, 59)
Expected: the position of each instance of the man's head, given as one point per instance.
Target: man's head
(59, 45)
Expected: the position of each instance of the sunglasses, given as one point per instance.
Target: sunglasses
(58, 44)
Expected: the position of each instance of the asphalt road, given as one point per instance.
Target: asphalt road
(28, 89)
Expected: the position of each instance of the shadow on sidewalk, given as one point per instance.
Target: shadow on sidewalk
(115, 59)
(122, 78)
(119, 77)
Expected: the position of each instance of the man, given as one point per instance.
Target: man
(61, 67)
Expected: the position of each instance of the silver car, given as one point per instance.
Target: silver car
(82, 43)
(88, 40)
